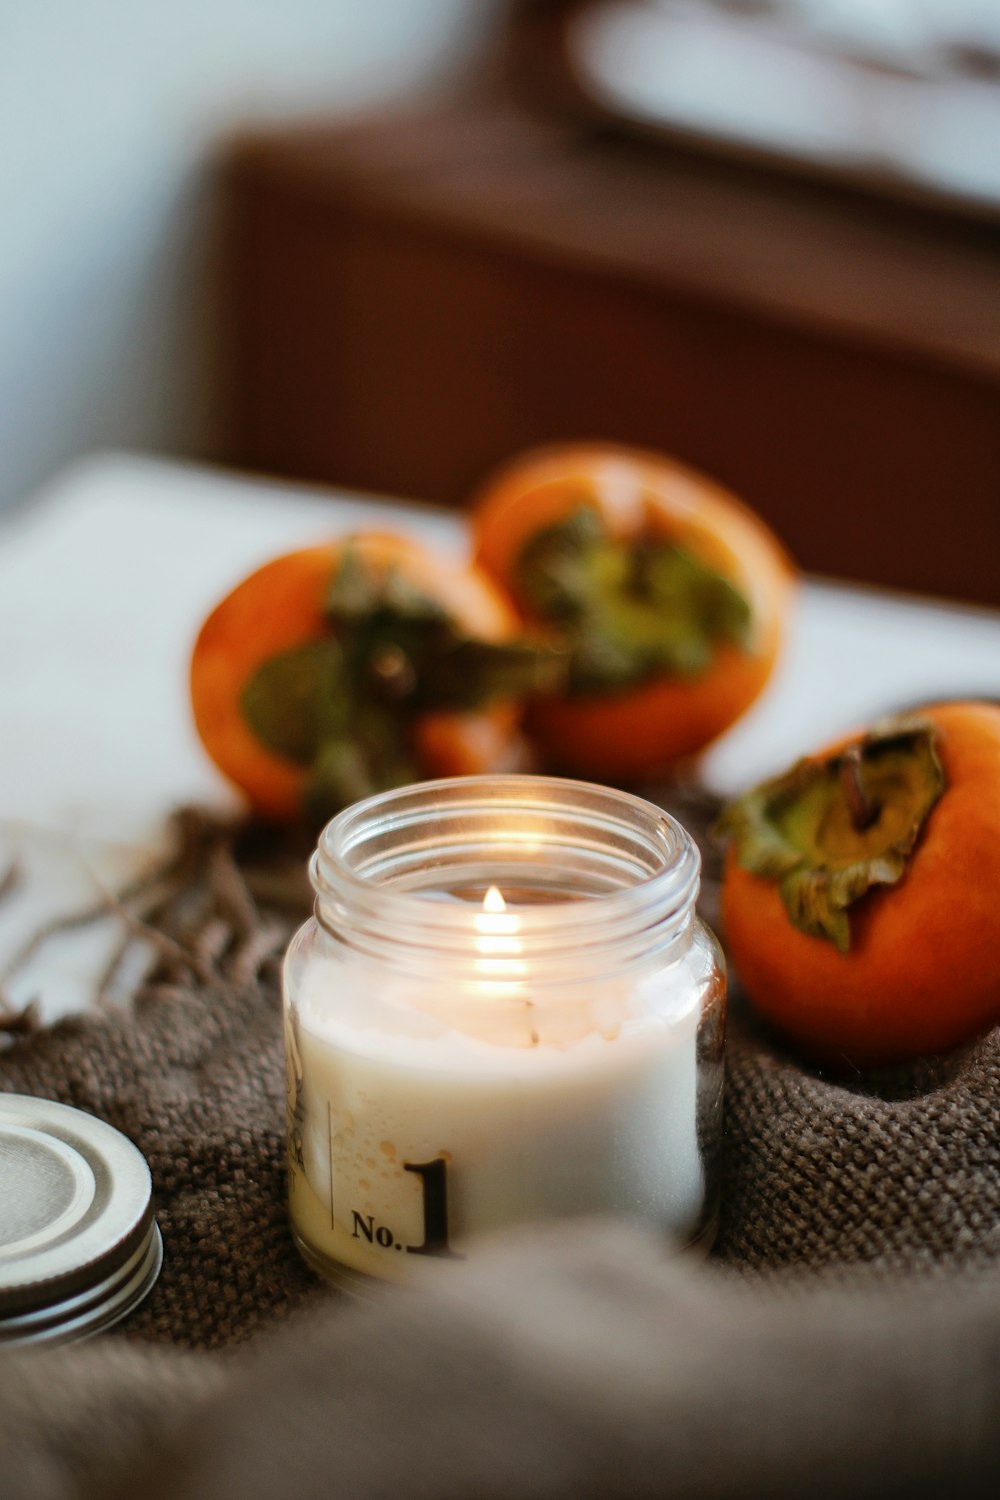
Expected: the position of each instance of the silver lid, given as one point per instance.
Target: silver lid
(78, 1243)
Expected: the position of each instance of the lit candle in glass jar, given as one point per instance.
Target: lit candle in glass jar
(505, 1010)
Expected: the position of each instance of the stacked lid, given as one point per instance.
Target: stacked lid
(79, 1246)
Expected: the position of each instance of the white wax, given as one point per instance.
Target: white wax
(597, 1121)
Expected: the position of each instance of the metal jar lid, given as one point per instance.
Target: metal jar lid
(79, 1246)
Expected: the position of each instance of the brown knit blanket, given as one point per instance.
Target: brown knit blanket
(843, 1337)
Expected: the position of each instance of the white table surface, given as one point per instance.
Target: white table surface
(105, 578)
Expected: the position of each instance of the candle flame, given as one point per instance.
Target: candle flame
(497, 927)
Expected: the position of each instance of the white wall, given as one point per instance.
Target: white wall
(108, 109)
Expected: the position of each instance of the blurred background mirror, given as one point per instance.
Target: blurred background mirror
(902, 94)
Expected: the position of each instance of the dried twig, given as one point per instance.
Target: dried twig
(217, 910)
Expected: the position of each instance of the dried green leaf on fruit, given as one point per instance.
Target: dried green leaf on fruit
(337, 671)
(859, 897)
(669, 597)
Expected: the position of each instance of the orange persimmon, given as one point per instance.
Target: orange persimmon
(670, 595)
(270, 621)
(910, 963)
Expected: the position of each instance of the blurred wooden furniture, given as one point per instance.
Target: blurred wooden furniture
(412, 299)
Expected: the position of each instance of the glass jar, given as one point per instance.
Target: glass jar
(504, 1010)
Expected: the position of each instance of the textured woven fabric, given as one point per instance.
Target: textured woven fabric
(196, 1080)
(891, 1174)
(821, 1174)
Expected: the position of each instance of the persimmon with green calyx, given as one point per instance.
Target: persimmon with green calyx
(668, 596)
(861, 889)
(340, 670)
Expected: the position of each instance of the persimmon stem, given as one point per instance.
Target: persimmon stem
(864, 810)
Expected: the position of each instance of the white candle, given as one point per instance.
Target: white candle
(487, 1080)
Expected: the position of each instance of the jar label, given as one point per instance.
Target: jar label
(392, 1158)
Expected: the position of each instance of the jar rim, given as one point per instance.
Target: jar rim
(662, 897)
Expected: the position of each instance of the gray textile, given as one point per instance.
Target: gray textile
(845, 1338)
